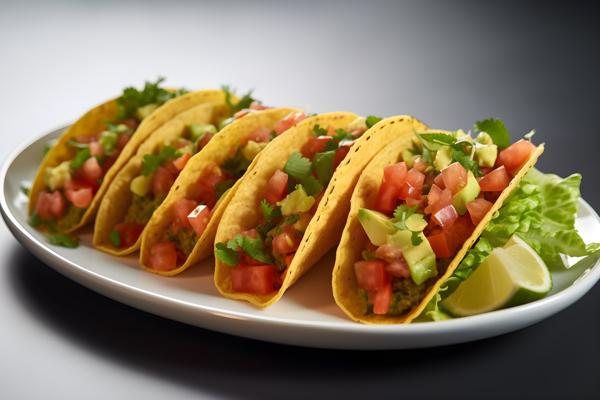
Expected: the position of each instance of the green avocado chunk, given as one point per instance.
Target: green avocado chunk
(377, 226)
(466, 194)
(420, 258)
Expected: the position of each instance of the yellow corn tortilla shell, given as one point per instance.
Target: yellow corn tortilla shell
(325, 228)
(222, 146)
(93, 122)
(345, 289)
(113, 208)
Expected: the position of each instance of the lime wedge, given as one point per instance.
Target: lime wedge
(509, 276)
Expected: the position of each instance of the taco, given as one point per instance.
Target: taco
(144, 182)
(290, 209)
(181, 231)
(78, 169)
(416, 210)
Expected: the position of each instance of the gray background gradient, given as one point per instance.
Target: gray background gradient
(535, 65)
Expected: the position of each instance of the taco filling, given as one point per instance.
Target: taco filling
(161, 168)
(71, 185)
(190, 215)
(427, 206)
(260, 256)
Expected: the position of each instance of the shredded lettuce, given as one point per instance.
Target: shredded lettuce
(542, 212)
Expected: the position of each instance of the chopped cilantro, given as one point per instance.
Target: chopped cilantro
(35, 220)
(433, 140)
(372, 120)
(243, 103)
(318, 131)
(63, 240)
(222, 187)
(153, 161)
(252, 247)
(226, 255)
(268, 211)
(80, 158)
(109, 140)
(466, 161)
(152, 93)
(323, 166)
(297, 166)
(311, 185)
(237, 165)
(291, 219)
(115, 238)
(496, 129)
(401, 214)
(415, 238)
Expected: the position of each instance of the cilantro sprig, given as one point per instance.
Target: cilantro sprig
(60, 239)
(401, 214)
(372, 120)
(497, 131)
(254, 247)
(152, 161)
(152, 93)
(243, 103)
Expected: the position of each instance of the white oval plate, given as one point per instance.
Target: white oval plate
(307, 315)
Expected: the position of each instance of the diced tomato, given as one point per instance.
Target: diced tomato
(131, 123)
(340, 154)
(129, 232)
(199, 218)
(180, 143)
(181, 209)
(388, 252)
(256, 279)
(162, 181)
(454, 177)
(439, 181)
(459, 231)
(91, 170)
(50, 205)
(204, 141)
(398, 268)
(446, 216)
(276, 189)
(96, 148)
(170, 166)
(182, 161)
(163, 256)
(261, 135)
(289, 258)
(382, 299)
(245, 259)
(478, 208)
(413, 186)
(495, 181)
(394, 178)
(371, 275)
(437, 199)
(315, 145)
(122, 140)
(440, 244)
(255, 105)
(415, 202)
(78, 193)
(288, 121)
(515, 155)
(286, 242)
(251, 233)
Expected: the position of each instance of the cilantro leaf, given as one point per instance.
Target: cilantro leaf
(496, 129)
(222, 187)
(152, 161)
(297, 166)
(311, 185)
(291, 219)
(322, 164)
(63, 240)
(243, 103)
(114, 238)
(131, 99)
(342, 134)
(466, 161)
(252, 247)
(401, 214)
(318, 131)
(267, 209)
(433, 140)
(80, 158)
(372, 120)
(237, 165)
(415, 238)
(226, 255)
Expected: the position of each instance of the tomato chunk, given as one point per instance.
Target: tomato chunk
(96, 148)
(437, 199)
(129, 232)
(459, 232)
(495, 181)
(162, 181)
(198, 218)
(382, 299)
(371, 275)
(340, 154)
(163, 256)
(315, 145)
(255, 279)
(515, 155)
(182, 161)
(91, 170)
(478, 208)
(446, 216)
(276, 189)
(261, 134)
(394, 178)
(78, 194)
(454, 177)
(398, 268)
(413, 186)
(440, 244)
(181, 209)
(396, 175)
(50, 205)
(286, 242)
(204, 141)
(288, 121)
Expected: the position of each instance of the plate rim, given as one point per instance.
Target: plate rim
(115, 289)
